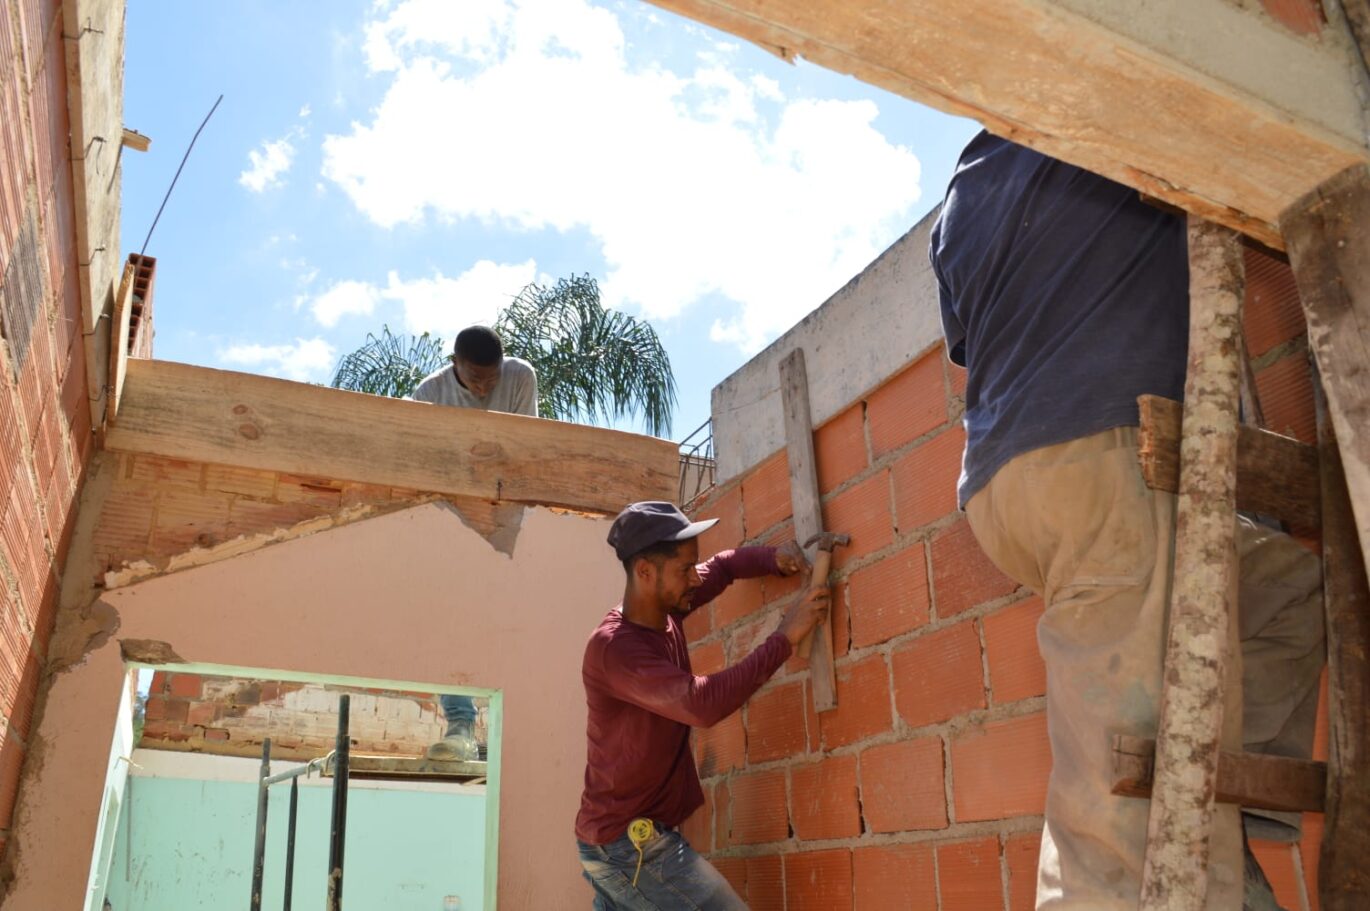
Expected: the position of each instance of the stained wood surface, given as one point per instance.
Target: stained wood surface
(227, 418)
(118, 348)
(1343, 875)
(808, 511)
(1276, 475)
(1252, 780)
(1149, 94)
(1189, 732)
(1329, 247)
(406, 768)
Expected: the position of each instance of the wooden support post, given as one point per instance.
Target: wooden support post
(1253, 780)
(1343, 877)
(808, 510)
(1328, 234)
(1175, 873)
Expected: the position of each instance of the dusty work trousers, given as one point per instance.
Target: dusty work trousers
(1076, 522)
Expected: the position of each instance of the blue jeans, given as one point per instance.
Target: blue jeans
(458, 710)
(673, 877)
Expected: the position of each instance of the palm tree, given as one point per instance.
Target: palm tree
(594, 364)
(390, 364)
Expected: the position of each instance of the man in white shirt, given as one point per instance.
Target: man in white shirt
(480, 376)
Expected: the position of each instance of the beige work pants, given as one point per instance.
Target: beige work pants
(1076, 523)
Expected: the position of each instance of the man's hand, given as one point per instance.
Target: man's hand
(790, 559)
(804, 615)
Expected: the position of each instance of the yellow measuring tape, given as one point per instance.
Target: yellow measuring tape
(640, 831)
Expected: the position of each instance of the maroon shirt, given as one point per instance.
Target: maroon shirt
(643, 700)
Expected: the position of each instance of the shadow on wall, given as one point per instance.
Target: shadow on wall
(181, 807)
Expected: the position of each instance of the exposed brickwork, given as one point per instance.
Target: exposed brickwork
(46, 434)
(924, 787)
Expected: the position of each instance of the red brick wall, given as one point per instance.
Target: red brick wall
(45, 425)
(929, 778)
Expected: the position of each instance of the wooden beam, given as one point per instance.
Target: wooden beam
(1343, 877)
(1149, 94)
(136, 141)
(206, 415)
(1329, 247)
(1252, 780)
(409, 768)
(1276, 475)
(118, 349)
(1200, 634)
(808, 510)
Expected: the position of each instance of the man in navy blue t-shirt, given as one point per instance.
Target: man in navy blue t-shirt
(1065, 297)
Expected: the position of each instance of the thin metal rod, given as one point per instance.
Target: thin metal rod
(338, 835)
(299, 771)
(290, 844)
(184, 157)
(259, 848)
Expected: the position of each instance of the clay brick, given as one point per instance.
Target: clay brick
(247, 482)
(744, 638)
(925, 480)
(734, 870)
(956, 377)
(765, 883)
(726, 507)
(216, 735)
(721, 747)
(322, 492)
(722, 816)
(938, 676)
(840, 448)
(862, 511)
(201, 713)
(698, 624)
(824, 797)
(741, 599)
(818, 881)
(1301, 16)
(1020, 856)
(707, 659)
(186, 520)
(968, 875)
(186, 686)
(775, 724)
(758, 808)
(698, 829)
(902, 786)
(11, 762)
(889, 598)
(1016, 670)
(177, 710)
(893, 876)
(247, 517)
(164, 473)
(908, 406)
(1271, 312)
(962, 576)
(863, 703)
(1286, 391)
(155, 709)
(1001, 769)
(766, 495)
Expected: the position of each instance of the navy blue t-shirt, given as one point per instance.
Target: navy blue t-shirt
(1063, 295)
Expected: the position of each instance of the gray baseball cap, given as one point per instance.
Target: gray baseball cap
(650, 522)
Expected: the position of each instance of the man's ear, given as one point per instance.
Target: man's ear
(644, 572)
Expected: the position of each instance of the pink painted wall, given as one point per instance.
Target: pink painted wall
(412, 596)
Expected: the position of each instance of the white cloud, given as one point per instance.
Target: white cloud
(705, 182)
(445, 306)
(346, 298)
(306, 359)
(268, 164)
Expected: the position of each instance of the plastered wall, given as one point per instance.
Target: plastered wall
(414, 596)
(927, 783)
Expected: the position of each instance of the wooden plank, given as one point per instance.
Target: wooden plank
(1175, 870)
(1251, 780)
(1329, 248)
(1149, 94)
(409, 768)
(118, 349)
(227, 418)
(808, 510)
(136, 141)
(1276, 475)
(1343, 876)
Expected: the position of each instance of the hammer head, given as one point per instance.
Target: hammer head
(827, 540)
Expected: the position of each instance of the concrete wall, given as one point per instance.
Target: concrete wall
(409, 600)
(860, 336)
(186, 834)
(45, 420)
(927, 783)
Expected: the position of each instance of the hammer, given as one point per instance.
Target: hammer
(822, 564)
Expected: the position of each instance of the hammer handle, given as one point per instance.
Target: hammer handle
(818, 578)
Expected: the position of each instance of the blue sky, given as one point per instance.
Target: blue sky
(416, 162)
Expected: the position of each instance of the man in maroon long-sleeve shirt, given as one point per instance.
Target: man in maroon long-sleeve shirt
(643, 698)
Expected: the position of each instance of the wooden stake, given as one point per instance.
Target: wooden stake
(808, 510)
(1343, 878)
(1175, 874)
